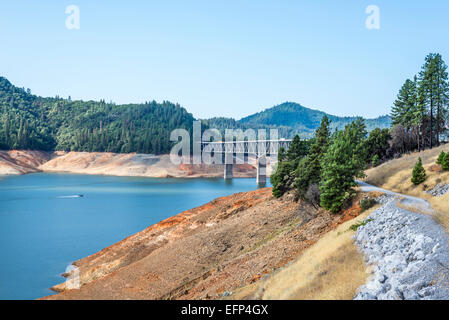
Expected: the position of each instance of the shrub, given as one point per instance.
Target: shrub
(445, 163)
(419, 173)
(367, 203)
(354, 227)
(441, 157)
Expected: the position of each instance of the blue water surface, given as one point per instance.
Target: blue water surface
(44, 226)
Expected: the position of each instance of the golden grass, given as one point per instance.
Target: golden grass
(331, 269)
(395, 175)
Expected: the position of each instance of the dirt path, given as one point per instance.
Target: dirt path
(408, 201)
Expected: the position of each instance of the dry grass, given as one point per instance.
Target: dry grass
(332, 269)
(395, 175)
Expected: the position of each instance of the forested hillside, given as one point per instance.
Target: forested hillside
(32, 122)
(293, 119)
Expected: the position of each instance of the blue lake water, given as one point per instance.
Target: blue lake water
(43, 229)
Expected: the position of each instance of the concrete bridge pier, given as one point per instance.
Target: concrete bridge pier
(261, 177)
(228, 171)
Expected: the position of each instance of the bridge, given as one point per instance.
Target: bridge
(259, 148)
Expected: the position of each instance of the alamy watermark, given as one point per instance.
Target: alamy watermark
(73, 22)
(210, 147)
(372, 22)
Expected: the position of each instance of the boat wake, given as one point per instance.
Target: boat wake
(69, 197)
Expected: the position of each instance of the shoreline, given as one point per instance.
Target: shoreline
(18, 162)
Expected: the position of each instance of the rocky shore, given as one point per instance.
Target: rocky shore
(204, 253)
(105, 163)
(409, 253)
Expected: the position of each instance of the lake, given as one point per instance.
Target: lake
(44, 226)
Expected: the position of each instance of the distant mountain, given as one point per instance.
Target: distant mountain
(292, 118)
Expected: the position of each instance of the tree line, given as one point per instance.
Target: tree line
(31, 122)
(419, 113)
(323, 170)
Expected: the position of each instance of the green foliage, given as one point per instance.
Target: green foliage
(405, 104)
(297, 150)
(418, 173)
(441, 157)
(284, 177)
(281, 154)
(341, 163)
(367, 203)
(31, 122)
(377, 144)
(445, 163)
(421, 105)
(356, 226)
(375, 161)
(308, 171)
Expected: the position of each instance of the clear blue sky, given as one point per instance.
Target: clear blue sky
(223, 58)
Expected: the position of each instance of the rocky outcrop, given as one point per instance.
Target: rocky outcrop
(409, 253)
(439, 190)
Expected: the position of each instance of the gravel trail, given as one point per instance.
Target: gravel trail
(409, 251)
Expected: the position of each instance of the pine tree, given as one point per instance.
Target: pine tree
(433, 78)
(441, 158)
(445, 162)
(281, 154)
(340, 165)
(284, 177)
(404, 105)
(441, 93)
(297, 150)
(419, 173)
(337, 181)
(427, 82)
(308, 171)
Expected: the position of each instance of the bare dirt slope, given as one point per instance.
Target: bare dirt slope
(201, 253)
(21, 162)
(106, 163)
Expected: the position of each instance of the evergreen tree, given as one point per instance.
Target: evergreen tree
(297, 150)
(308, 171)
(402, 111)
(281, 154)
(445, 163)
(337, 181)
(418, 173)
(340, 165)
(377, 144)
(427, 82)
(441, 94)
(284, 177)
(441, 158)
(421, 104)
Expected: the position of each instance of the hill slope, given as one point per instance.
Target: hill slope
(36, 123)
(32, 122)
(292, 118)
